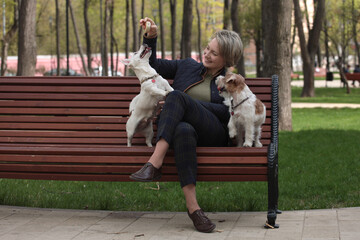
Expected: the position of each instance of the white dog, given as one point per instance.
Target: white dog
(143, 107)
(247, 113)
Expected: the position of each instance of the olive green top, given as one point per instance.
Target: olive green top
(202, 90)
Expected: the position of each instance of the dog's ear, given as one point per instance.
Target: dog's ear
(240, 78)
(231, 77)
(125, 61)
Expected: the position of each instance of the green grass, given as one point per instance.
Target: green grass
(328, 95)
(319, 164)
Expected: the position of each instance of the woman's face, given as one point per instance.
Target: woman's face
(212, 58)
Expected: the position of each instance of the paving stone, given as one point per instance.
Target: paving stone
(18, 223)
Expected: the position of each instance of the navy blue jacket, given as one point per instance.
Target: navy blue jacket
(187, 73)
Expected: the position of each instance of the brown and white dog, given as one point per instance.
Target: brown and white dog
(247, 113)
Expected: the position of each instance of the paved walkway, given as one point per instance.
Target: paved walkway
(319, 84)
(18, 223)
(325, 105)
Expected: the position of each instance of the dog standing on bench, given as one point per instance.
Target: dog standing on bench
(143, 107)
(247, 113)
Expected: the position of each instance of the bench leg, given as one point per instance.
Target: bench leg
(273, 189)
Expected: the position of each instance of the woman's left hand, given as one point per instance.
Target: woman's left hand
(152, 32)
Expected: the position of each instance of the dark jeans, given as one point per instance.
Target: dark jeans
(185, 124)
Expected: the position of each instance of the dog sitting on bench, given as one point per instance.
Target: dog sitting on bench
(247, 113)
(143, 107)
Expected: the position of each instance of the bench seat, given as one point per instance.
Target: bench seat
(74, 128)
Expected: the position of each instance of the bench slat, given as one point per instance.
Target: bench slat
(125, 169)
(65, 159)
(127, 151)
(125, 178)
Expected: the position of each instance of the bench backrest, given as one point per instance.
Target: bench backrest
(80, 110)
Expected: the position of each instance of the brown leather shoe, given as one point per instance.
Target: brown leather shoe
(147, 173)
(201, 222)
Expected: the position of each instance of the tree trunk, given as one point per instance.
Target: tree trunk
(355, 21)
(199, 30)
(134, 26)
(292, 46)
(127, 34)
(240, 66)
(308, 50)
(226, 15)
(173, 28)
(326, 43)
(8, 38)
(113, 42)
(162, 32)
(87, 36)
(27, 39)
(258, 47)
(103, 53)
(142, 17)
(57, 20)
(186, 29)
(276, 22)
(78, 40)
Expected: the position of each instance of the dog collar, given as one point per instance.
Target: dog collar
(148, 78)
(233, 107)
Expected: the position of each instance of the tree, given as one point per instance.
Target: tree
(87, 35)
(226, 14)
(240, 66)
(355, 19)
(173, 28)
(186, 29)
(309, 48)
(134, 25)
(9, 36)
(199, 29)
(113, 41)
(57, 20)
(78, 39)
(27, 39)
(127, 6)
(276, 23)
(162, 32)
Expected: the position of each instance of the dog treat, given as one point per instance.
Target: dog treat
(148, 24)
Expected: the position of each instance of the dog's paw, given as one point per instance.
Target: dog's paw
(247, 144)
(258, 144)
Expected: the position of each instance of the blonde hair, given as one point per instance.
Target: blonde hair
(230, 46)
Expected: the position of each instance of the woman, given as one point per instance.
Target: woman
(192, 115)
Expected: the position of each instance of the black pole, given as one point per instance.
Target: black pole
(67, 39)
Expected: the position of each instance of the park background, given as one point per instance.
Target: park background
(318, 148)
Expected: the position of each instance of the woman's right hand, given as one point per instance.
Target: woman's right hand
(153, 28)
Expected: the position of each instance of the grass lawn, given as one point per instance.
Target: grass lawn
(319, 166)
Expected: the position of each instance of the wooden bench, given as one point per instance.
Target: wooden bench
(353, 77)
(73, 128)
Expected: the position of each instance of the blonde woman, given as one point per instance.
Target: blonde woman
(192, 115)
